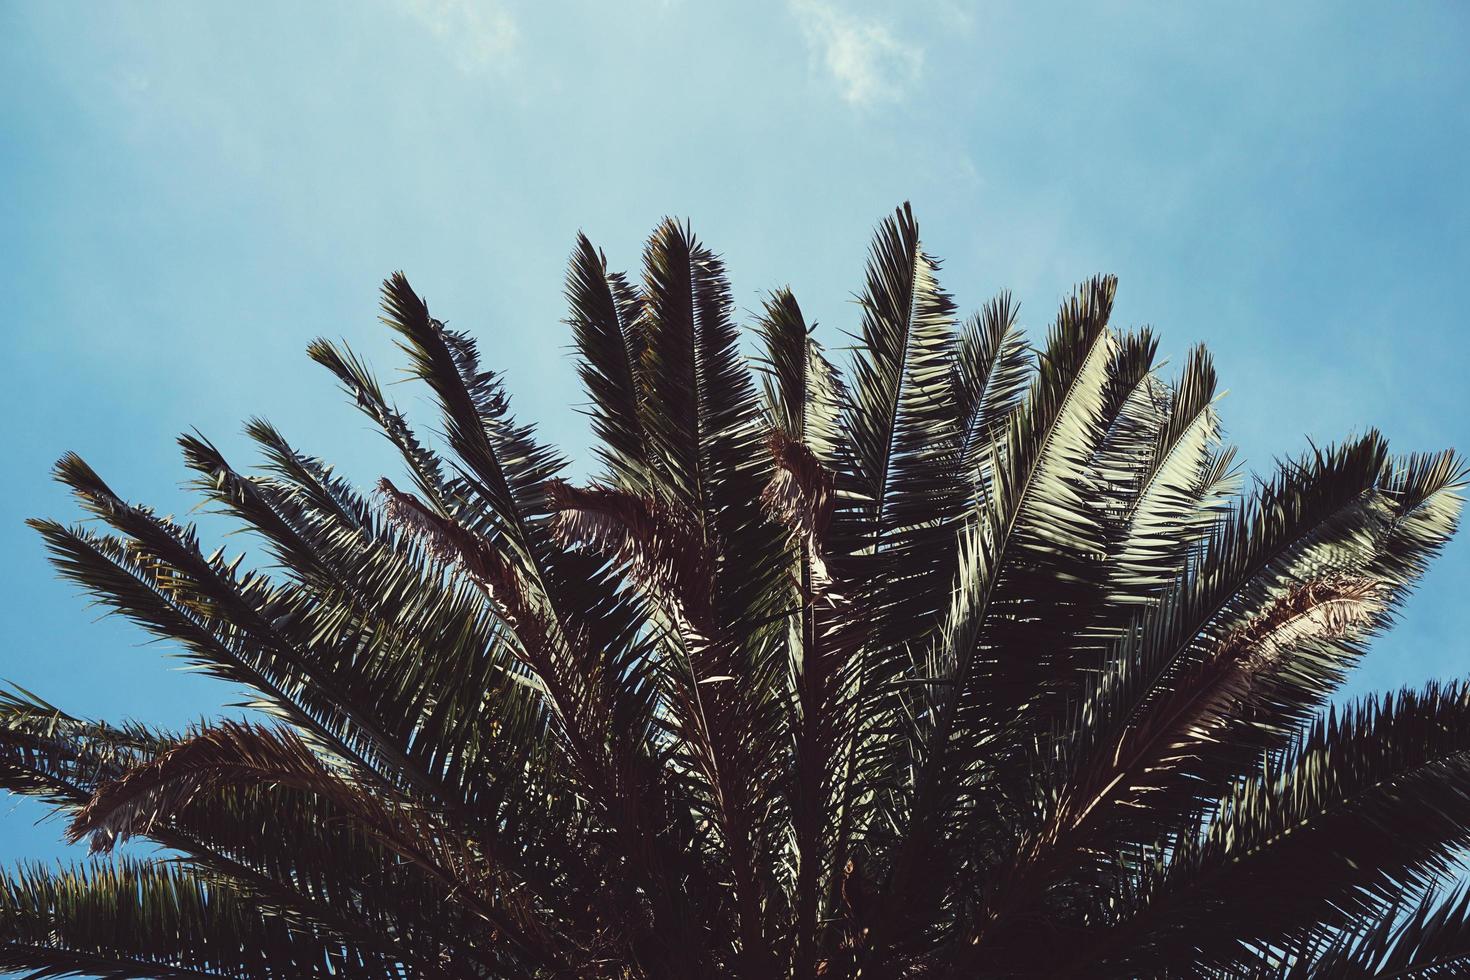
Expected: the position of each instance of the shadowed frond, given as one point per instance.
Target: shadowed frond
(962, 661)
(148, 920)
(1426, 941)
(1373, 801)
(609, 339)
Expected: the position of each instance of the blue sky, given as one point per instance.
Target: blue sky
(191, 192)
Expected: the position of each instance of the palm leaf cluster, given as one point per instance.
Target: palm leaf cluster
(966, 661)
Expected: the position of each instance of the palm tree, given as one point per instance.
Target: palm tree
(970, 663)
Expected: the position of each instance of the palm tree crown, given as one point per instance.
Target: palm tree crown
(968, 661)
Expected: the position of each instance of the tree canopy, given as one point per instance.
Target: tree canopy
(967, 659)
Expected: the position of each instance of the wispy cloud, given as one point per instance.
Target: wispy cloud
(868, 63)
(479, 34)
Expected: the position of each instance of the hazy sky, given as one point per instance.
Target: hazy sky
(189, 193)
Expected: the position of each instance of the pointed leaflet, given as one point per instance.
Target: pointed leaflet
(604, 312)
(804, 395)
(805, 399)
(1424, 940)
(135, 919)
(501, 461)
(1154, 726)
(902, 431)
(999, 668)
(1174, 500)
(992, 367)
(1323, 835)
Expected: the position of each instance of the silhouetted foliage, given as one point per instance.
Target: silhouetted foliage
(965, 661)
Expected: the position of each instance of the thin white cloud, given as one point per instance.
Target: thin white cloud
(478, 34)
(862, 55)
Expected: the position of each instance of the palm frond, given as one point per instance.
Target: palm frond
(966, 664)
(994, 670)
(130, 919)
(501, 460)
(993, 366)
(604, 321)
(427, 467)
(1317, 522)
(49, 754)
(901, 427)
(1178, 491)
(1373, 801)
(1429, 940)
(481, 878)
(805, 395)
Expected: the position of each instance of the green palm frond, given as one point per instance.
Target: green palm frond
(242, 756)
(1177, 492)
(999, 674)
(47, 753)
(993, 365)
(1183, 677)
(804, 393)
(1372, 802)
(500, 460)
(132, 919)
(903, 433)
(964, 661)
(425, 466)
(604, 321)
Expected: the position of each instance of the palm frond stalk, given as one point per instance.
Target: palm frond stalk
(967, 661)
